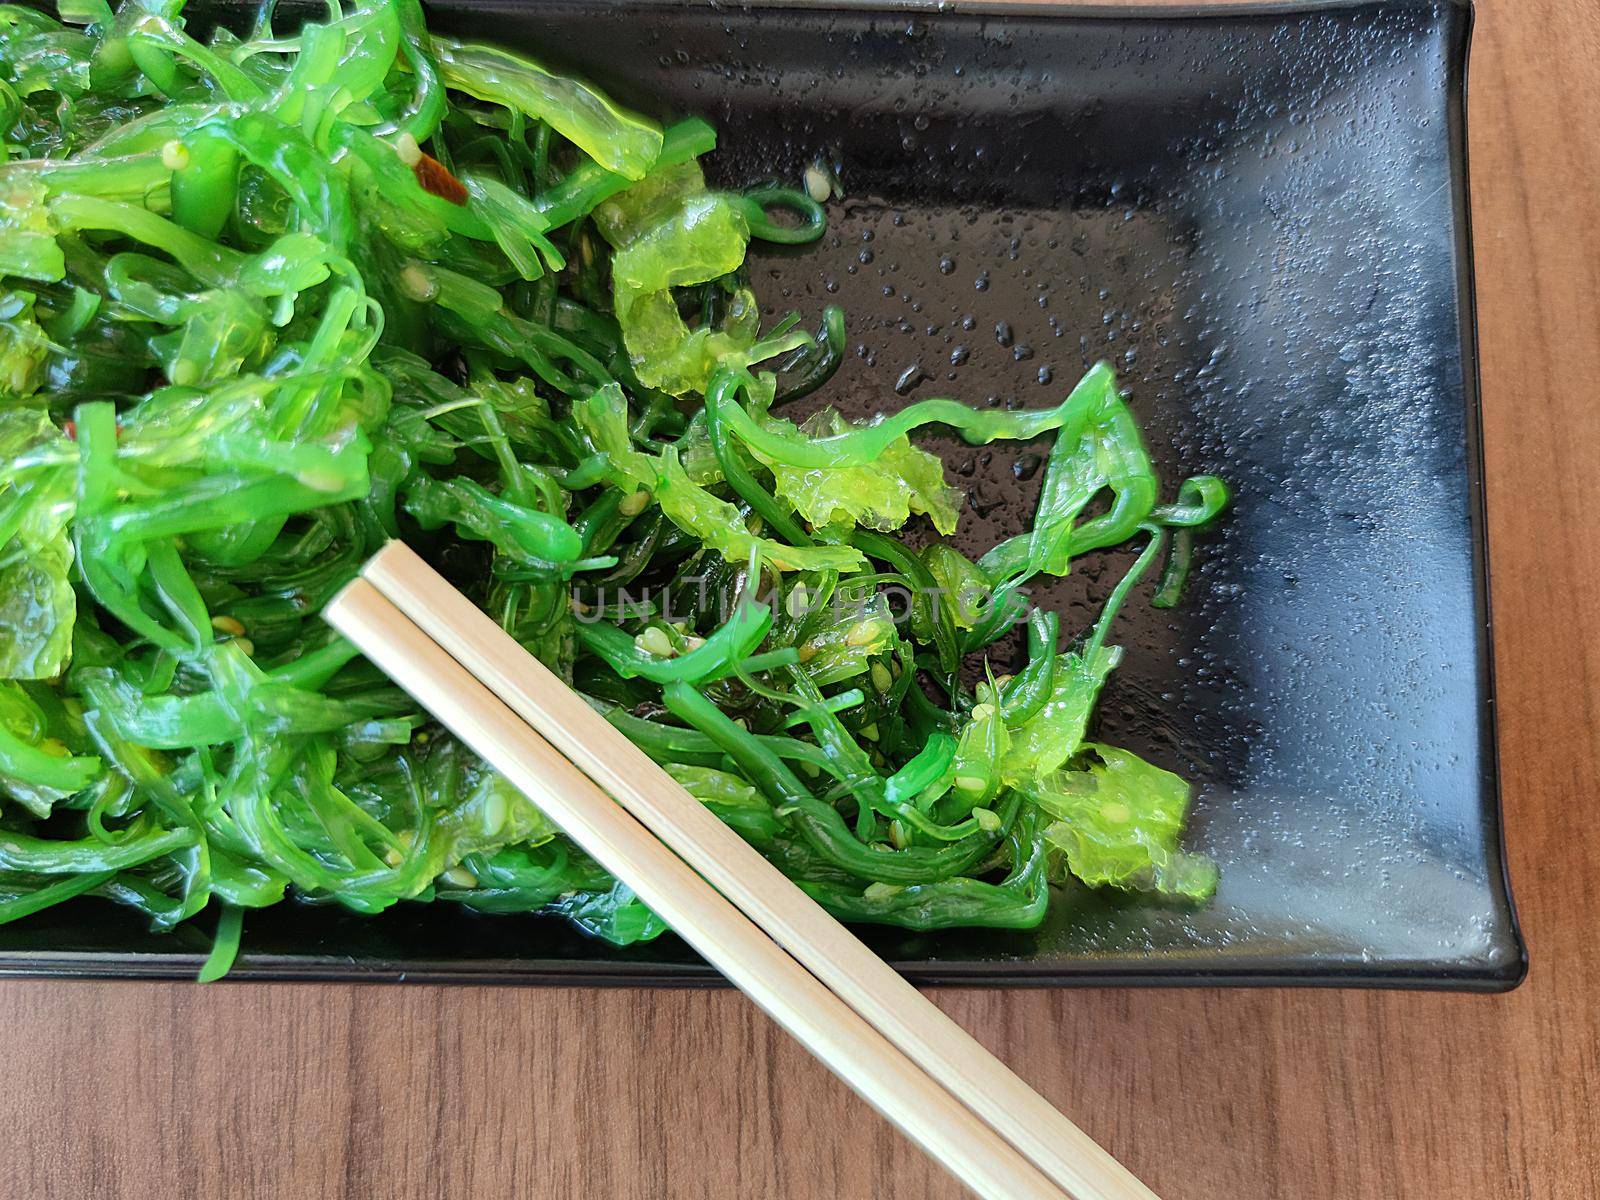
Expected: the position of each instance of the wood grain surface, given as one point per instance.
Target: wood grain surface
(158, 1091)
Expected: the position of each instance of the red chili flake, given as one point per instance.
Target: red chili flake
(433, 177)
(69, 428)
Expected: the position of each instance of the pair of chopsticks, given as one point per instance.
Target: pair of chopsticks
(894, 1047)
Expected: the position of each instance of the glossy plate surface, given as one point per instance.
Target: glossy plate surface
(1259, 216)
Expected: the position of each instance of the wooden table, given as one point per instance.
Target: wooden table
(159, 1091)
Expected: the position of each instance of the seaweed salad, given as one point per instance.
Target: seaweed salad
(272, 295)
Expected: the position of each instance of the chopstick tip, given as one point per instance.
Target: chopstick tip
(357, 590)
(394, 556)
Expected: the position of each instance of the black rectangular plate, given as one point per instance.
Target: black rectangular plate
(1260, 217)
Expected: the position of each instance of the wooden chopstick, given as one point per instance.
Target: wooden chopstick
(796, 922)
(881, 1074)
